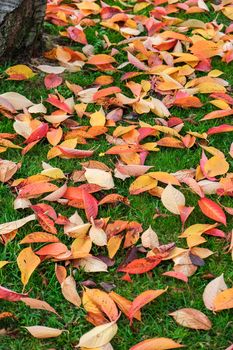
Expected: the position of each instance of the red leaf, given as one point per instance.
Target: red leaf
(77, 35)
(219, 129)
(215, 232)
(38, 134)
(184, 213)
(212, 210)
(53, 100)
(178, 275)
(75, 153)
(139, 266)
(45, 209)
(90, 204)
(52, 81)
(46, 223)
(10, 295)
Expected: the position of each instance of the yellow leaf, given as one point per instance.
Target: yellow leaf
(54, 173)
(194, 240)
(54, 151)
(220, 104)
(20, 69)
(208, 88)
(214, 151)
(140, 6)
(3, 263)
(228, 12)
(113, 245)
(164, 177)
(141, 184)
(197, 229)
(98, 118)
(216, 166)
(27, 262)
(215, 73)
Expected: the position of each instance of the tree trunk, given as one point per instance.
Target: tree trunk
(21, 28)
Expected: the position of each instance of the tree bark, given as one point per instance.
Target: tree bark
(21, 28)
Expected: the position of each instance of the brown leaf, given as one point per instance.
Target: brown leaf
(191, 318)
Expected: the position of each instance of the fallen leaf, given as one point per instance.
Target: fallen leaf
(150, 239)
(69, 291)
(15, 225)
(223, 300)
(212, 290)
(27, 262)
(42, 332)
(191, 318)
(157, 343)
(143, 299)
(172, 199)
(98, 336)
(212, 210)
(38, 304)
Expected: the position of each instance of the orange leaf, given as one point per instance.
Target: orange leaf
(104, 80)
(106, 92)
(223, 300)
(101, 59)
(157, 344)
(124, 305)
(143, 299)
(39, 237)
(35, 189)
(103, 301)
(142, 265)
(52, 249)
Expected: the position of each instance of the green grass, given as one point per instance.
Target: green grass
(43, 284)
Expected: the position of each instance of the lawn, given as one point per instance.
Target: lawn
(43, 283)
